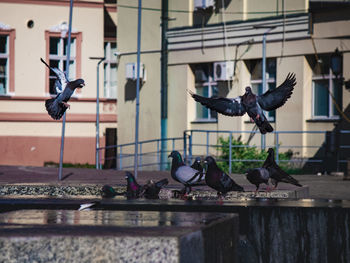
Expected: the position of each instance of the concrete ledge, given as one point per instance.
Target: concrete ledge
(167, 193)
(117, 236)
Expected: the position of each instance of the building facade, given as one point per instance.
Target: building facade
(30, 30)
(301, 37)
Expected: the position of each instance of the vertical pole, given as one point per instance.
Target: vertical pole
(97, 153)
(230, 153)
(164, 83)
(67, 74)
(185, 145)
(137, 88)
(121, 158)
(263, 138)
(158, 159)
(277, 147)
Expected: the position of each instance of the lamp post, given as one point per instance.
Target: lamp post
(67, 75)
(97, 152)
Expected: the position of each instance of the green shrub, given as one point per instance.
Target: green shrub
(243, 151)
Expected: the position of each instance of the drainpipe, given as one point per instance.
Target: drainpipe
(164, 86)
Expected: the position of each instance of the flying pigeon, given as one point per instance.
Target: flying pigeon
(197, 164)
(276, 173)
(252, 104)
(133, 189)
(218, 180)
(184, 174)
(152, 189)
(258, 176)
(57, 106)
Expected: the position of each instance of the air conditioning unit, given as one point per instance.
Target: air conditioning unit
(131, 71)
(203, 4)
(223, 71)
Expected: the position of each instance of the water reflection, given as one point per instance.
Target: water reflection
(106, 218)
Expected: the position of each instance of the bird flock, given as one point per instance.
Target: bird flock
(196, 174)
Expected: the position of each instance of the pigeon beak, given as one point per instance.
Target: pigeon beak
(169, 155)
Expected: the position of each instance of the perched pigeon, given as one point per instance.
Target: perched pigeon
(108, 191)
(197, 164)
(152, 189)
(276, 173)
(258, 176)
(57, 106)
(149, 190)
(184, 174)
(218, 180)
(252, 104)
(133, 189)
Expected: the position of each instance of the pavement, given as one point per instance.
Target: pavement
(323, 186)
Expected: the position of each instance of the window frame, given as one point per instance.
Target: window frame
(211, 83)
(10, 56)
(78, 38)
(330, 77)
(268, 81)
(110, 59)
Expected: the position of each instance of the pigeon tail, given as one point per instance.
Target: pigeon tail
(162, 183)
(55, 109)
(265, 127)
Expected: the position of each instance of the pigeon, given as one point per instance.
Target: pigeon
(149, 190)
(152, 189)
(252, 104)
(133, 189)
(184, 174)
(108, 191)
(197, 164)
(57, 106)
(258, 176)
(218, 180)
(276, 173)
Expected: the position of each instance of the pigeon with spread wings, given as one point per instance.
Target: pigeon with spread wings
(57, 106)
(252, 104)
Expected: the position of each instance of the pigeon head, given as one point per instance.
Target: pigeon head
(209, 162)
(176, 156)
(78, 83)
(198, 159)
(129, 177)
(270, 151)
(248, 90)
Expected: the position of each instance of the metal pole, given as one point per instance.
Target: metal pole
(67, 74)
(263, 139)
(230, 153)
(137, 89)
(97, 152)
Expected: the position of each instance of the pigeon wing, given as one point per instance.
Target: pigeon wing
(61, 80)
(188, 175)
(225, 106)
(273, 99)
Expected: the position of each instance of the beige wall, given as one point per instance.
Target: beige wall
(30, 79)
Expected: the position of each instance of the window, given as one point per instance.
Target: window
(324, 85)
(4, 62)
(206, 87)
(57, 57)
(255, 68)
(110, 70)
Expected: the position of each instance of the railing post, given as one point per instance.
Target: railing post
(185, 145)
(230, 153)
(207, 150)
(277, 147)
(121, 159)
(116, 157)
(140, 156)
(190, 149)
(158, 161)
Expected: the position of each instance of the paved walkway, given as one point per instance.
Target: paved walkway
(330, 187)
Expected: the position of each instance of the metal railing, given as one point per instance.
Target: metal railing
(199, 143)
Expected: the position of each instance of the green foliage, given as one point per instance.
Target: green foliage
(242, 151)
(70, 165)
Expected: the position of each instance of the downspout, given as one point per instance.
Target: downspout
(164, 86)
